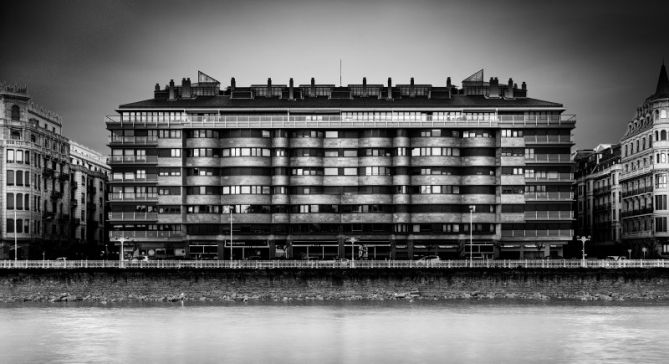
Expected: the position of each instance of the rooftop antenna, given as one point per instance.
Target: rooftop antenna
(340, 71)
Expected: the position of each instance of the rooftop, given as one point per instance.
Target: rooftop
(474, 92)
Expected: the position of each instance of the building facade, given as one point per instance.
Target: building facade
(35, 180)
(598, 198)
(89, 174)
(644, 149)
(299, 171)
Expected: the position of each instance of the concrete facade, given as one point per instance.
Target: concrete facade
(306, 168)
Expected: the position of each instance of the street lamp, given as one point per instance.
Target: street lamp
(353, 241)
(121, 256)
(230, 207)
(472, 208)
(629, 253)
(16, 242)
(644, 250)
(583, 239)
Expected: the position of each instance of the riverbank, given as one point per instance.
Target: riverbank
(109, 286)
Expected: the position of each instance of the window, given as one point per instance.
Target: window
(10, 177)
(661, 180)
(331, 134)
(19, 178)
(10, 155)
(16, 113)
(350, 171)
(175, 152)
(10, 201)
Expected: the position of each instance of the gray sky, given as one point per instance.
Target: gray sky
(82, 58)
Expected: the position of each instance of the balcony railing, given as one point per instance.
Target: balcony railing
(543, 158)
(637, 191)
(132, 197)
(549, 215)
(292, 121)
(147, 178)
(144, 234)
(132, 139)
(131, 216)
(131, 159)
(532, 196)
(547, 139)
(566, 177)
(644, 211)
(335, 264)
(537, 233)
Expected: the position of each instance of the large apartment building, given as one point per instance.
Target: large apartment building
(598, 198)
(321, 171)
(36, 181)
(644, 149)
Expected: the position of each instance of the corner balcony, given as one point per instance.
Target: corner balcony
(549, 196)
(538, 234)
(548, 158)
(548, 139)
(132, 216)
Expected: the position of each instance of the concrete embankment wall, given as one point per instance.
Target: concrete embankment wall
(203, 285)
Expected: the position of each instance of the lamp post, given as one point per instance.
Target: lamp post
(16, 242)
(583, 239)
(230, 207)
(353, 241)
(629, 253)
(472, 208)
(121, 256)
(644, 250)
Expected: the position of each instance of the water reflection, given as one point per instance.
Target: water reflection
(335, 334)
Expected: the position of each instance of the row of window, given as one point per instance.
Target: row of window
(21, 201)
(22, 226)
(329, 208)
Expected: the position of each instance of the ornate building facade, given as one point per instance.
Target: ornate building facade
(644, 149)
(318, 171)
(35, 180)
(598, 198)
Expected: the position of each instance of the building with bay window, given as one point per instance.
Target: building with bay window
(318, 171)
(645, 167)
(37, 213)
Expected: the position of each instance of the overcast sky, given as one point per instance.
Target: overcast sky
(82, 59)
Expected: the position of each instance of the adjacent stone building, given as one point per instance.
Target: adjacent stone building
(598, 199)
(644, 149)
(36, 181)
(318, 171)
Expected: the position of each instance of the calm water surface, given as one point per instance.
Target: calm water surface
(451, 333)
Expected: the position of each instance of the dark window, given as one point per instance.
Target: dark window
(16, 113)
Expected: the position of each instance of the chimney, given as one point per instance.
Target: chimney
(493, 89)
(411, 81)
(233, 84)
(312, 91)
(508, 92)
(170, 92)
(156, 90)
(364, 86)
(523, 86)
(412, 90)
(448, 82)
(185, 88)
(390, 88)
(291, 95)
(269, 82)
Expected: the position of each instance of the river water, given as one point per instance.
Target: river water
(350, 333)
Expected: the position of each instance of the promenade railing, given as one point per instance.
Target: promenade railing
(334, 264)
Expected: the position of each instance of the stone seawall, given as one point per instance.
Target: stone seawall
(277, 285)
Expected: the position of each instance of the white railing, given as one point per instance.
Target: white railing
(537, 233)
(334, 264)
(134, 159)
(286, 121)
(114, 235)
(547, 139)
(549, 195)
(549, 215)
(132, 216)
(548, 158)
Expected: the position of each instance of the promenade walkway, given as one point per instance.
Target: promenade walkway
(335, 264)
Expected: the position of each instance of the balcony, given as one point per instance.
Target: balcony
(547, 139)
(603, 207)
(55, 195)
(637, 191)
(555, 177)
(133, 197)
(549, 196)
(131, 159)
(132, 216)
(644, 211)
(537, 233)
(137, 140)
(147, 178)
(146, 234)
(64, 176)
(548, 158)
(549, 215)
(47, 172)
